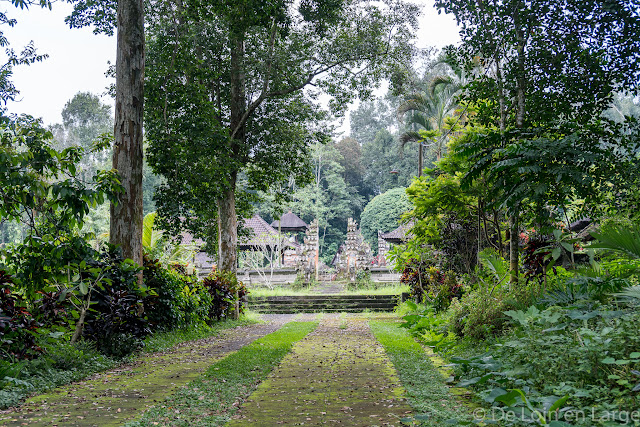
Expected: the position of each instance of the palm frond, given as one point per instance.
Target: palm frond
(619, 238)
(495, 264)
(631, 293)
(409, 136)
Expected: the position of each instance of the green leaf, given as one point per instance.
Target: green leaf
(511, 398)
(557, 404)
(412, 305)
(83, 288)
(608, 361)
(568, 246)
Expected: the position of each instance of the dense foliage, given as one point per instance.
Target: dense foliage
(226, 292)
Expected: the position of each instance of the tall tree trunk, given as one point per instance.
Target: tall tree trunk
(126, 218)
(514, 242)
(228, 229)
(520, 112)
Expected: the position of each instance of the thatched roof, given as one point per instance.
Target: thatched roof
(289, 222)
(399, 235)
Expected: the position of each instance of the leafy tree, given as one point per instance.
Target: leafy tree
(425, 109)
(43, 187)
(371, 116)
(386, 168)
(239, 69)
(544, 64)
(328, 198)
(351, 162)
(85, 121)
(383, 213)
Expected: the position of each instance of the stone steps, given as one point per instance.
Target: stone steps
(326, 303)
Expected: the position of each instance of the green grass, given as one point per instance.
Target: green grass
(287, 291)
(212, 399)
(161, 341)
(427, 394)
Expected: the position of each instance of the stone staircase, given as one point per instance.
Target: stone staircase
(324, 303)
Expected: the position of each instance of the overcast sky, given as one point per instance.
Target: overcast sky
(78, 58)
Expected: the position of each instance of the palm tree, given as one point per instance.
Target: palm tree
(424, 111)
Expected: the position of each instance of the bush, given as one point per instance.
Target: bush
(195, 302)
(429, 284)
(18, 328)
(587, 352)
(176, 300)
(222, 287)
(116, 320)
(51, 310)
(163, 305)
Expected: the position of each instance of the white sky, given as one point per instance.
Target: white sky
(78, 58)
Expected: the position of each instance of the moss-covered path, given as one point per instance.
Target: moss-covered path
(121, 394)
(338, 375)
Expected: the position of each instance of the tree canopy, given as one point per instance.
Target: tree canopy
(383, 213)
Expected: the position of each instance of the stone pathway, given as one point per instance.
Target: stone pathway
(338, 375)
(111, 397)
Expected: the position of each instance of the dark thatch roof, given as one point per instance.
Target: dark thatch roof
(399, 235)
(290, 223)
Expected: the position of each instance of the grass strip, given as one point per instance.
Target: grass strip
(426, 391)
(212, 399)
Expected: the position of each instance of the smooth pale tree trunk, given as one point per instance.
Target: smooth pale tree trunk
(126, 217)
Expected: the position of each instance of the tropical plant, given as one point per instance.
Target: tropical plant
(18, 328)
(425, 109)
(227, 294)
(622, 239)
(158, 246)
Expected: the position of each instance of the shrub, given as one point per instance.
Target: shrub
(429, 284)
(51, 310)
(163, 305)
(116, 320)
(18, 328)
(478, 314)
(195, 302)
(222, 287)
